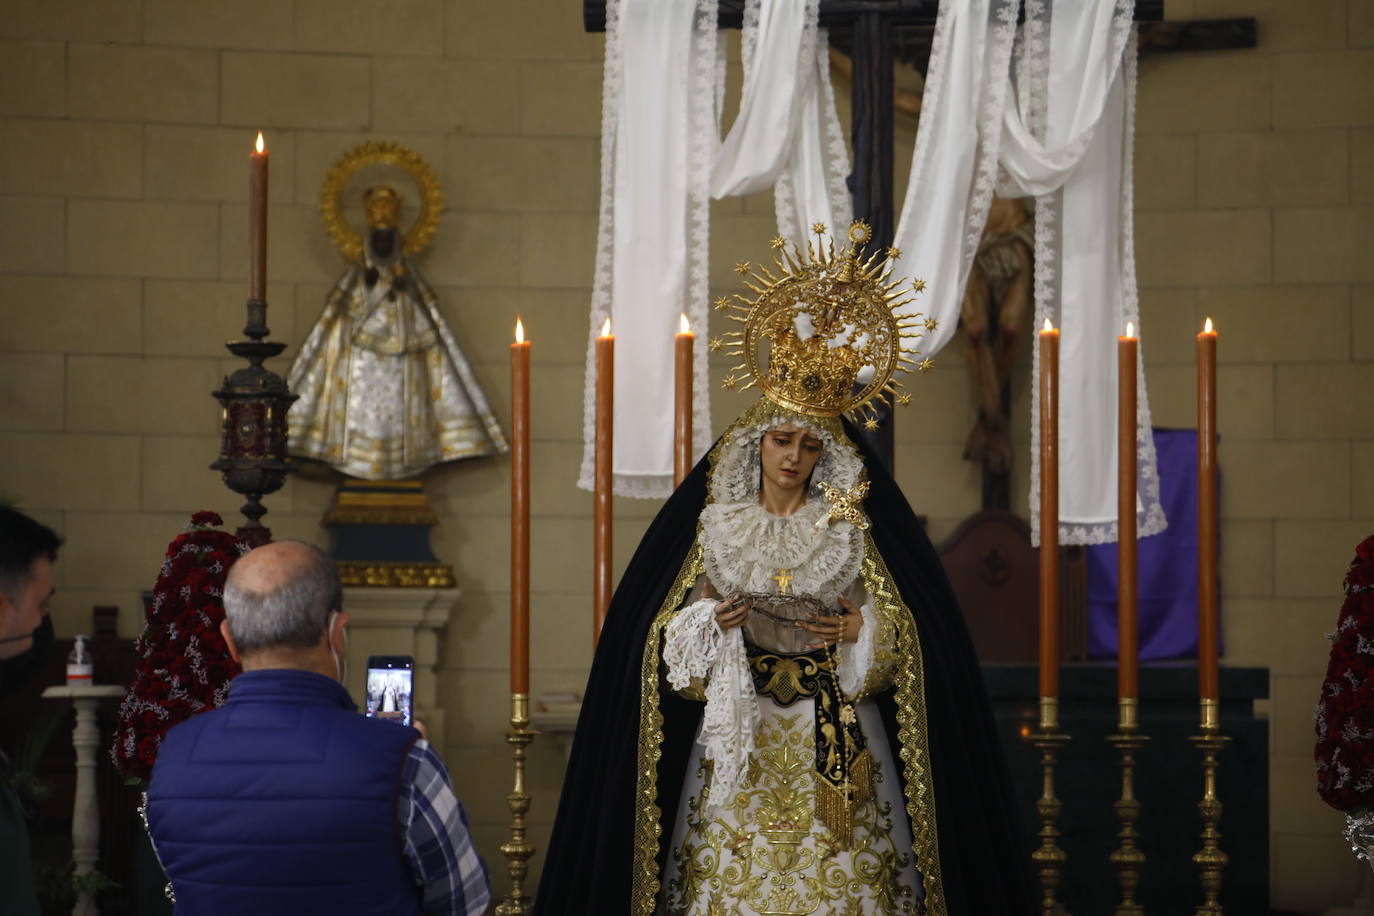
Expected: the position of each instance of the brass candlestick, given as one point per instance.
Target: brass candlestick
(1127, 858)
(518, 851)
(1210, 860)
(1049, 858)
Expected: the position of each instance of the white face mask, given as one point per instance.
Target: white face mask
(340, 662)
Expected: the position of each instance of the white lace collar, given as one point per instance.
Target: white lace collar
(746, 548)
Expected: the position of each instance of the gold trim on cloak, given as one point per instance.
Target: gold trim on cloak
(912, 734)
(913, 725)
(644, 880)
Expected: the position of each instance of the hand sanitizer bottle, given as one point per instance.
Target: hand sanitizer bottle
(79, 665)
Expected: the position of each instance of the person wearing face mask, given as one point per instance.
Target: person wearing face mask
(285, 800)
(27, 552)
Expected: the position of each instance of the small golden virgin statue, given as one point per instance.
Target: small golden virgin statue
(385, 391)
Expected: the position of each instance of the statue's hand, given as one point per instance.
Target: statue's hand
(837, 628)
(732, 612)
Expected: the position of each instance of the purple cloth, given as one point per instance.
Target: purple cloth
(1166, 565)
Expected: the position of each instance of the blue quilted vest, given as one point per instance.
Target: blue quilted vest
(283, 801)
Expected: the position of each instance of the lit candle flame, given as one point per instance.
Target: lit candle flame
(1048, 326)
(1130, 329)
(519, 330)
(1207, 328)
(259, 145)
(606, 327)
(682, 326)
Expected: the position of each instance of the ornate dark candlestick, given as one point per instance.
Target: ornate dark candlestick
(1050, 860)
(1128, 858)
(518, 850)
(254, 401)
(1210, 860)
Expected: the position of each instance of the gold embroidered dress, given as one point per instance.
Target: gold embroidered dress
(792, 804)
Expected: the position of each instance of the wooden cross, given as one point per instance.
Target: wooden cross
(871, 32)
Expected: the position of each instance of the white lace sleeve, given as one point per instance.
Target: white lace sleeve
(695, 647)
(692, 643)
(856, 659)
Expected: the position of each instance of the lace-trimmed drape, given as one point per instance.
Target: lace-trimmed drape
(1058, 122)
(661, 160)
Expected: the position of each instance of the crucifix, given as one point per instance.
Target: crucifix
(876, 33)
(784, 579)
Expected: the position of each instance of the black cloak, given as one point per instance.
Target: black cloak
(590, 865)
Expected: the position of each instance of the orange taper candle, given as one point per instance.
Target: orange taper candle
(520, 512)
(601, 539)
(1207, 649)
(1049, 511)
(257, 221)
(682, 415)
(1127, 653)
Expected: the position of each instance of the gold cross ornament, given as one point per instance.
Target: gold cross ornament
(845, 505)
(784, 579)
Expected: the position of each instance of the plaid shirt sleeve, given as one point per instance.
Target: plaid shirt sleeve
(452, 877)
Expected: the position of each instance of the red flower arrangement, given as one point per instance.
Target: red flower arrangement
(183, 664)
(1345, 712)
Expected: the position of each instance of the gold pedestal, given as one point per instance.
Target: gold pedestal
(1210, 860)
(384, 507)
(1127, 858)
(1049, 859)
(518, 851)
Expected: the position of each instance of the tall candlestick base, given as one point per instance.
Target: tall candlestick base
(1127, 859)
(1049, 859)
(518, 851)
(1210, 860)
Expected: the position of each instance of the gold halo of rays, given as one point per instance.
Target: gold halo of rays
(846, 297)
(380, 152)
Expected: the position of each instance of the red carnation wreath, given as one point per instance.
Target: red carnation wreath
(1345, 712)
(183, 664)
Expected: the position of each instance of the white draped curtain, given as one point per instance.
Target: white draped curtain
(1044, 110)
(662, 159)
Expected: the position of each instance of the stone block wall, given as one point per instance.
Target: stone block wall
(124, 130)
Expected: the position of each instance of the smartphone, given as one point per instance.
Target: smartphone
(389, 682)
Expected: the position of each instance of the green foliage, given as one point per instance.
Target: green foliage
(58, 886)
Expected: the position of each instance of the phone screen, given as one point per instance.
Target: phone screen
(389, 682)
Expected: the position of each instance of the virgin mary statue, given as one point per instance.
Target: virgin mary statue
(785, 714)
(385, 391)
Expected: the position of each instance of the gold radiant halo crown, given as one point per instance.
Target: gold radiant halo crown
(829, 323)
(383, 153)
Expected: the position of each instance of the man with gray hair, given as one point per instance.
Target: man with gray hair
(285, 800)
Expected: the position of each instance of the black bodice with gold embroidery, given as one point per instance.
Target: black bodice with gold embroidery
(635, 736)
(843, 764)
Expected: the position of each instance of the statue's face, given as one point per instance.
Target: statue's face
(383, 208)
(788, 454)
